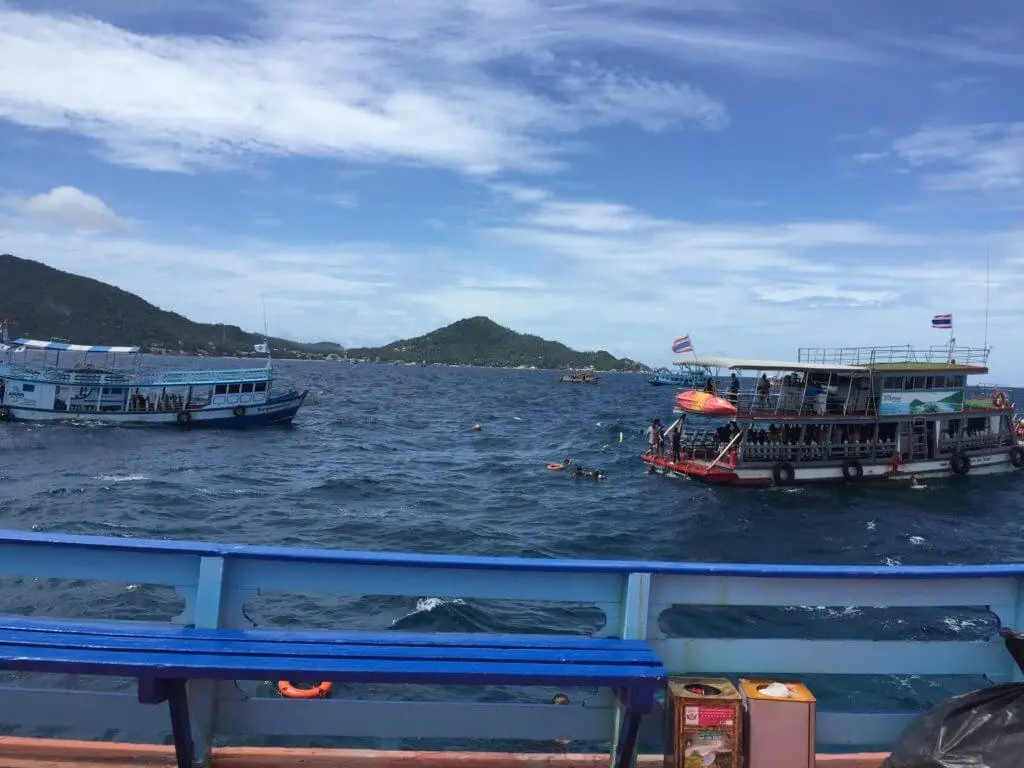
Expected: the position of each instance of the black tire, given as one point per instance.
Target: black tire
(960, 464)
(852, 469)
(783, 473)
(1017, 457)
(184, 418)
(239, 410)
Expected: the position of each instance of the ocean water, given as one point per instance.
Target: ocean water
(385, 458)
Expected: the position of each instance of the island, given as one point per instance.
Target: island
(41, 302)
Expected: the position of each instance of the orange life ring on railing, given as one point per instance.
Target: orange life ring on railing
(1000, 400)
(289, 691)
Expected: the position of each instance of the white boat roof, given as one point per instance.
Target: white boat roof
(741, 364)
(60, 346)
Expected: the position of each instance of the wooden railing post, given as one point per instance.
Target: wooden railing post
(635, 605)
(202, 694)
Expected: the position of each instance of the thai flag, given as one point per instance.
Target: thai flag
(942, 321)
(682, 344)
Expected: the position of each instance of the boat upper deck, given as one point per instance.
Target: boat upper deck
(135, 377)
(909, 359)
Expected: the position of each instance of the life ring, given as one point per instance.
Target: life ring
(852, 469)
(1000, 400)
(782, 473)
(1017, 456)
(5, 413)
(239, 410)
(184, 417)
(289, 691)
(556, 467)
(960, 464)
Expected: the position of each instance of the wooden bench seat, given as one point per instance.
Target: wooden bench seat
(164, 658)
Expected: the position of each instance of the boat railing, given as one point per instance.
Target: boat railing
(948, 614)
(870, 356)
(134, 377)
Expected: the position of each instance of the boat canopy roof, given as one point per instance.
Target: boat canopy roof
(739, 364)
(62, 347)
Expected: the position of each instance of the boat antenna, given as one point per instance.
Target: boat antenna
(988, 260)
(266, 335)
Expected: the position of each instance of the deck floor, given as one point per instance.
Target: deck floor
(52, 753)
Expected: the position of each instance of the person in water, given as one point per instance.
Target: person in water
(589, 474)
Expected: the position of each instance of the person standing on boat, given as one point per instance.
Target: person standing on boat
(652, 437)
(677, 440)
(764, 388)
(734, 389)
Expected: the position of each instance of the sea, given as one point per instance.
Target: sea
(386, 458)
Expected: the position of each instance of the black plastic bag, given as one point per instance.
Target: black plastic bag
(980, 729)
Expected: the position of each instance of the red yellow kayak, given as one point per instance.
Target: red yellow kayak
(696, 401)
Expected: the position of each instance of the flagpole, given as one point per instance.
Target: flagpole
(988, 259)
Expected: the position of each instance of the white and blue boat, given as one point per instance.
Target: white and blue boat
(690, 376)
(60, 381)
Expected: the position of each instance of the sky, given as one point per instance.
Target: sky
(762, 175)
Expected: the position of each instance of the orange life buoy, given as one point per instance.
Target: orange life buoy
(559, 467)
(1000, 400)
(289, 691)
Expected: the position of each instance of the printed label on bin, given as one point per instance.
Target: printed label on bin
(708, 715)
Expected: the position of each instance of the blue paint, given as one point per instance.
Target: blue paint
(216, 578)
(285, 554)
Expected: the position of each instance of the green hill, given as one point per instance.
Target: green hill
(481, 341)
(42, 302)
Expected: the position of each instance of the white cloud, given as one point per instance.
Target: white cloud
(987, 157)
(368, 81)
(345, 199)
(73, 207)
(743, 289)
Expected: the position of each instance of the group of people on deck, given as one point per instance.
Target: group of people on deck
(656, 438)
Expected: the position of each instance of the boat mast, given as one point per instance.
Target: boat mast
(988, 258)
(266, 336)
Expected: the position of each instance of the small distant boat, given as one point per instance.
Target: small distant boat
(578, 378)
(108, 384)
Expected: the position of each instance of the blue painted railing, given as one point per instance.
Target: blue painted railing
(215, 582)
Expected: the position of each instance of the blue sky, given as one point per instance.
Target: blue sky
(760, 174)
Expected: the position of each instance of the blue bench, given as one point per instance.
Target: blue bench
(163, 659)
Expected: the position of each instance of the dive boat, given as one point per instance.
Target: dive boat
(584, 377)
(690, 376)
(892, 413)
(59, 381)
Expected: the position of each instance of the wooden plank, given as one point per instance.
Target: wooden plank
(199, 666)
(411, 639)
(397, 719)
(440, 651)
(847, 657)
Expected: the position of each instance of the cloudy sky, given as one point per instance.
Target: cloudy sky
(760, 174)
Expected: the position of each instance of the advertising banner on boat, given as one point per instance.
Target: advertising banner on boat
(915, 402)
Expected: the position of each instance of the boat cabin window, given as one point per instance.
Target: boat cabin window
(247, 387)
(261, 386)
(113, 390)
(221, 389)
(28, 387)
(234, 388)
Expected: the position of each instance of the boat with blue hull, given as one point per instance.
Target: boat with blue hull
(46, 381)
(690, 376)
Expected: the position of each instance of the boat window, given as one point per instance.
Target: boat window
(247, 387)
(261, 386)
(28, 387)
(221, 389)
(233, 389)
(920, 382)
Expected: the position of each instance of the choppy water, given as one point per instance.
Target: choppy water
(384, 458)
